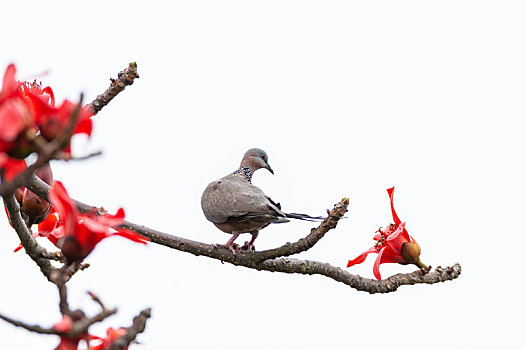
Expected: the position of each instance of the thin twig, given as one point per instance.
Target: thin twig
(97, 300)
(68, 157)
(138, 326)
(80, 327)
(59, 278)
(31, 328)
(124, 79)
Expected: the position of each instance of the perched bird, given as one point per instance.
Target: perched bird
(236, 206)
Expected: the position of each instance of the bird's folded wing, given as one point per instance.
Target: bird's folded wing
(231, 198)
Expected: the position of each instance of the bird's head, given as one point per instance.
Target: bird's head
(256, 158)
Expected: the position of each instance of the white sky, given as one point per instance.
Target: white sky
(348, 98)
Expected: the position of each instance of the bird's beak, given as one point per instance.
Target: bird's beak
(269, 168)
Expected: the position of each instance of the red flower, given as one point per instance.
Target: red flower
(52, 120)
(12, 167)
(27, 112)
(45, 229)
(15, 117)
(112, 334)
(81, 233)
(66, 343)
(394, 245)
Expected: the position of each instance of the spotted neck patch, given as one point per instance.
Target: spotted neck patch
(244, 172)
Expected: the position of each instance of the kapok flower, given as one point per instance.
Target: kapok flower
(28, 114)
(112, 334)
(81, 233)
(66, 343)
(394, 245)
(46, 229)
(12, 167)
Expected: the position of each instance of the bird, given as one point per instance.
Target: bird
(234, 205)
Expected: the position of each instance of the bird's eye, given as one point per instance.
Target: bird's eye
(262, 157)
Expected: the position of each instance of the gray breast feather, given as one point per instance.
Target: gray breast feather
(232, 197)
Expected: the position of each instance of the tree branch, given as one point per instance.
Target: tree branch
(124, 79)
(372, 286)
(265, 260)
(80, 327)
(31, 328)
(32, 248)
(138, 326)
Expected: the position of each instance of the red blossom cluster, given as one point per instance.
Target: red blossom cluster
(27, 114)
(30, 120)
(94, 342)
(28, 117)
(78, 234)
(394, 244)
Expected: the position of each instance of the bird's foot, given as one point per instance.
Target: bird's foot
(248, 246)
(231, 247)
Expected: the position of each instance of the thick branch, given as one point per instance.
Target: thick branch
(265, 260)
(124, 79)
(372, 286)
(32, 248)
(138, 326)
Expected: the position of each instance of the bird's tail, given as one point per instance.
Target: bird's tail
(304, 217)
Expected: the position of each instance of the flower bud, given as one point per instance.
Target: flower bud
(19, 193)
(72, 249)
(50, 129)
(410, 251)
(34, 209)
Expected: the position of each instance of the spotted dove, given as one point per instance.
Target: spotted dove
(236, 206)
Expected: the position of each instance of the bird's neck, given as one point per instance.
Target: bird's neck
(244, 172)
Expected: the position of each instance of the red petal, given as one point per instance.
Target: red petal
(131, 235)
(390, 256)
(67, 344)
(51, 94)
(64, 325)
(12, 167)
(112, 220)
(9, 83)
(398, 237)
(65, 206)
(394, 215)
(85, 125)
(377, 274)
(386, 255)
(361, 257)
(40, 108)
(13, 114)
(48, 225)
(87, 238)
(54, 239)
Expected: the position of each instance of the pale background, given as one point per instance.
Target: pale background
(348, 98)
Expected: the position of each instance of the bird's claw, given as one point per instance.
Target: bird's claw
(230, 247)
(247, 246)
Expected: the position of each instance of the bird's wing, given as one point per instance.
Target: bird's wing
(232, 197)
